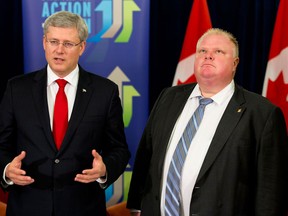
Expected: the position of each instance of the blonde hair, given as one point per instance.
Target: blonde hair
(66, 19)
(218, 31)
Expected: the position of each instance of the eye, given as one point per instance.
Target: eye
(202, 51)
(68, 44)
(219, 51)
(54, 42)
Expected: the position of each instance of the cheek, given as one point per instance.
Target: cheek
(48, 52)
(225, 71)
(229, 66)
(197, 62)
(73, 57)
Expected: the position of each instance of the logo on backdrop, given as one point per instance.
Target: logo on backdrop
(126, 92)
(119, 189)
(116, 16)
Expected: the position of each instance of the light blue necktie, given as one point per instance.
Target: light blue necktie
(172, 197)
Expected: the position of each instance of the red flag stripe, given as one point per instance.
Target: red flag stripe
(280, 34)
(199, 22)
(275, 86)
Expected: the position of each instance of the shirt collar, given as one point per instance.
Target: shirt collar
(71, 78)
(218, 98)
(228, 91)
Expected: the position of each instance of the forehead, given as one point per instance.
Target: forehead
(216, 40)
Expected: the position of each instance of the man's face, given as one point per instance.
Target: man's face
(61, 59)
(215, 62)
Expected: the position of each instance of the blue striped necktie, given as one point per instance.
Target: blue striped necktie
(172, 197)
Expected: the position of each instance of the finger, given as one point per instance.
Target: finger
(84, 178)
(17, 161)
(20, 157)
(98, 164)
(23, 180)
(95, 154)
(89, 171)
(17, 176)
(15, 166)
(15, 171)
(97, 159)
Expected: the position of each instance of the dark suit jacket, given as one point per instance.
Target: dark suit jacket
(96, 123)
(245, 169)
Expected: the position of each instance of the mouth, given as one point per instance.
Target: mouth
(207, 65)
(58, 60)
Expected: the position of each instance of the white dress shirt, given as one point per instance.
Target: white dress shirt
(200, 143)
(70, 90)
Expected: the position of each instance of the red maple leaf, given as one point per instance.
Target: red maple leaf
(277, 93)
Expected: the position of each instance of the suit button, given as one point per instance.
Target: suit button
(56, 161)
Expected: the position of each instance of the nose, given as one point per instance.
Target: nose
(209, 56)
(60, 47)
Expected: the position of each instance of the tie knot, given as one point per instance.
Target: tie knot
(61, 83)
(205, 101)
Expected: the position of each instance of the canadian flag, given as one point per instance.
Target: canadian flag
(275, 86)
(199, 22)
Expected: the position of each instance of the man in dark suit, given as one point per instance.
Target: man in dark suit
(237, 161)
(44, 180)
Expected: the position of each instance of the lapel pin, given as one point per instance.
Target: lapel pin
(83, 90)
(239, 110)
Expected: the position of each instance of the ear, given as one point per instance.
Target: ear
(82, 46)
(236, 62)
(44, 42)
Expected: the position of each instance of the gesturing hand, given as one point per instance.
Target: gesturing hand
(15, 173)
(91, 175)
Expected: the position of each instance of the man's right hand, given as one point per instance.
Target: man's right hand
(14, 172)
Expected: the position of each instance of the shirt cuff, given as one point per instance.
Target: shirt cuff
(6, 180)
(135, 210)
(102, 181)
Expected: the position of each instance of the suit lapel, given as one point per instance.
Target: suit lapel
(83, 94)
(228, 122)
(40, 100)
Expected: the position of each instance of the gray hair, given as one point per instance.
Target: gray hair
(66, 19)
(219, 31)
